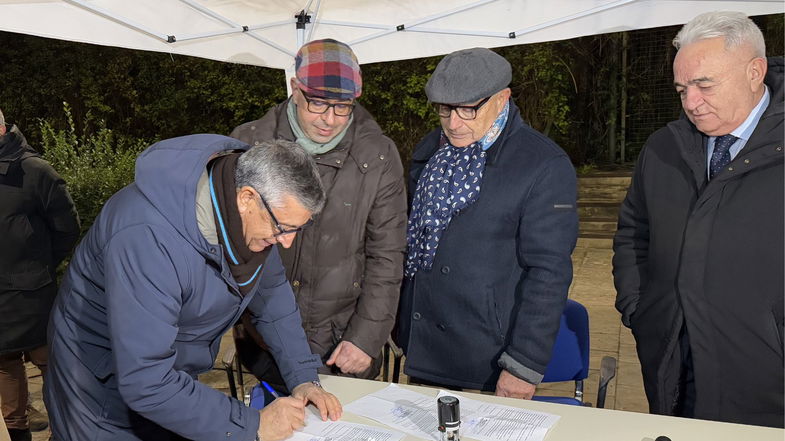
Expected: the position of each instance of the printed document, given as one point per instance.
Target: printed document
(317, 430)
(415, 414)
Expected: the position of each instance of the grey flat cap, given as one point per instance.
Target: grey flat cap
(468, 75)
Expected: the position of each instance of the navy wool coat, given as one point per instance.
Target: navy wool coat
(501, 273)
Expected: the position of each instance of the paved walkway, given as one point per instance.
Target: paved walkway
(593, 287)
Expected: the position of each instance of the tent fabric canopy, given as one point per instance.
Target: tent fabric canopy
(268, 33)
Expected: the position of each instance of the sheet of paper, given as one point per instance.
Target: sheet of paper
(415, 414)
(497, 422)
(402, 409)
(317, 430)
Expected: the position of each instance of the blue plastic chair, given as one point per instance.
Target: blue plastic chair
(570, 359)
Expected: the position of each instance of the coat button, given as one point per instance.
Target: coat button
(337, 161)
(256, 143)
(416, 316)
(356, 284)
(779, 149)
(746, 161)
(365, 165)
(730, 168)
(445, 269)
(228, 434)
(381, 157)
(441, 327)
(296, 283)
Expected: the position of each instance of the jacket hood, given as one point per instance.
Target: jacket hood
(13, 146)
(167, 174)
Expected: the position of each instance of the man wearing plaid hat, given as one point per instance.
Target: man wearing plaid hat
(346, 268)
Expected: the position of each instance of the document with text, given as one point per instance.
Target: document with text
(415, 414)
(317, 430)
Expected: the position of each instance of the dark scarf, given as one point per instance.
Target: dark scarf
(244, 264)
(450, 182)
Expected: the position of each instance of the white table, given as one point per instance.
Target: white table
(579, 423)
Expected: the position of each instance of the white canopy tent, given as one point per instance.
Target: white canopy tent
(269, 32)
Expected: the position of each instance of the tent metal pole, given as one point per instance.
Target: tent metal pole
(504, 35)
(124, 21)
(246, 29)
(575, 16)
(430, 18)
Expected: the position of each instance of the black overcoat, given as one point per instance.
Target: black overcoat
(708, 254)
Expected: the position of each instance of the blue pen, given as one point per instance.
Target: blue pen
(270, 389)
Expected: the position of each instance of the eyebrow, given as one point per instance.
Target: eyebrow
(695, 81)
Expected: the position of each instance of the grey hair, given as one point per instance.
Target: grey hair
(736, 27)
(2, 118)
(279, 168)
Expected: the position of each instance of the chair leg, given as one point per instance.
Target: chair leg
(385, 362)
(397, 355)
(607, 372)
(240, 379)
(230, 377)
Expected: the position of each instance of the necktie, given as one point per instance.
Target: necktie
(721, 155)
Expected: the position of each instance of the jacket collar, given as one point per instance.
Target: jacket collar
(13, 147)
(362, 125)
(514, 123)
(764, 146)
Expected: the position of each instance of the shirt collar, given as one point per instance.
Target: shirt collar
(744, 131)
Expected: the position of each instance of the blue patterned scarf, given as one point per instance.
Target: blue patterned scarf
(450, 182)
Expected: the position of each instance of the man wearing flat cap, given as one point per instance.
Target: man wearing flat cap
(491, 229)
(346, 268)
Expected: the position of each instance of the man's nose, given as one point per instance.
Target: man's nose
(286, 240)
(692, 98)
(455, 121)
(329, 116)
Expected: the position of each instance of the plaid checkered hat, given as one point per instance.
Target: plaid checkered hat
(328, 69)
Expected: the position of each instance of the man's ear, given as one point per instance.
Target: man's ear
(245, 199)
(756, 72)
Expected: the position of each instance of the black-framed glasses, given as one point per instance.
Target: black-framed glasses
(281, 230)
(319, 106)
(467, 113)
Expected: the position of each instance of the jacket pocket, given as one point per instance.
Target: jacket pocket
(494, 319)
(26, 281)
(777, 322)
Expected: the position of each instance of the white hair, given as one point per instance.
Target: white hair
(2, 118)
(735, 27)
(278, 168)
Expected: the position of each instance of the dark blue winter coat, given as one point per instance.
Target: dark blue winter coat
(501, 273)
(143, 307)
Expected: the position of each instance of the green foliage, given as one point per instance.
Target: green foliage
(95, 164)
(393, 92)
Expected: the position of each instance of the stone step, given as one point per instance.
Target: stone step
(605, 239)
(609, 193)
(595, 241)
(614, 180)
(603, 188)
(598, 225)
(593, 210)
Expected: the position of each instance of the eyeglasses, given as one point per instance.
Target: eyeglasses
(319, 106)
(466, 113)
(281, 230)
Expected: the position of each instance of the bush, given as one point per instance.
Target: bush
(95, 164)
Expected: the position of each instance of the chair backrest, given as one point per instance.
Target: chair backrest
(570, 359)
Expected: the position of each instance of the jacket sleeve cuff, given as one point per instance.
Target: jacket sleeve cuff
(512, 366)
